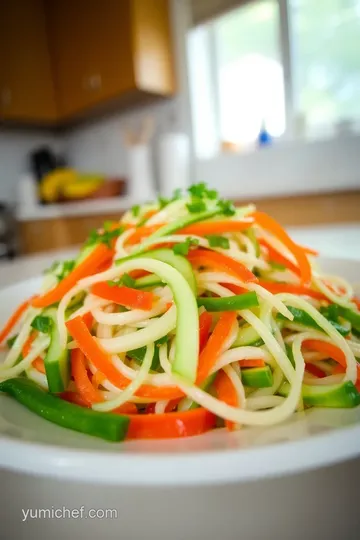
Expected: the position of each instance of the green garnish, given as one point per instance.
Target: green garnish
(183, 247)
(61, 269)
(135, 210)
(42, 324)
(10, 342)
(218, 241)
(200, 190)
(197, 206)
(125, 280)
(226, 207)
(104, 237)
(177, 194)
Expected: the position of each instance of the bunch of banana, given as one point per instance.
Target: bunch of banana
(67, 183)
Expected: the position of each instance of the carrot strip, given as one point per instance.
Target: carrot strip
(38, 364)
(142, 232)
(215, 344)
(89, 266)
(333, 351)
(217, 227)
(126, 408)
(252, 363)
(102, 361)
(276, 257)
(309, 251)
(299, 290)
(171, 425)
(97, 379)
(88, 319)
(82, 382)
(272, 226)
(73, 397)
(212, 259)
(15, 317)
(205, 322)
(236, 289)
(226, 392)
(150, 408)
(125, 296)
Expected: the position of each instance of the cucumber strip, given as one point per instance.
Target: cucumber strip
(57, 359)
(247, 336)
(148, 281)
(205, 386)
(176, 225)
(351, 316)
(187, 323)
(343, 395)
(178, 262)
(261, 377)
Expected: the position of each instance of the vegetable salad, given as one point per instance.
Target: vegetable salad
(186, 315)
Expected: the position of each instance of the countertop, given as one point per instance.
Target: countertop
(334, 241)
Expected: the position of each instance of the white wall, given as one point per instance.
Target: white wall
(15, 146)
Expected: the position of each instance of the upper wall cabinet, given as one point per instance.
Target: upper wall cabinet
(26, 85)
(91, 53)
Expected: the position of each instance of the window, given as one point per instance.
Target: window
(291, 66)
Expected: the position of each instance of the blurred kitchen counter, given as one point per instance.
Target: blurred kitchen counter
(334, 241)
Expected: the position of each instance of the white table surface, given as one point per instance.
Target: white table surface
(335, 241)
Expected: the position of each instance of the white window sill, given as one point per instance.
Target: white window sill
(286, 168)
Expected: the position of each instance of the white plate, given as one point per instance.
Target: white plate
(308, 440)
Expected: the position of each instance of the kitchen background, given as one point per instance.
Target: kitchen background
(134, 98)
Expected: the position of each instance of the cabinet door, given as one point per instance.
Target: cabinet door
(26, 86)
(91, 47)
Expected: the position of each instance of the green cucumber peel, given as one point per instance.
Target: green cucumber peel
(301, 317)
(260, 377)
(57, 359)
(187, 324)
(342, 395)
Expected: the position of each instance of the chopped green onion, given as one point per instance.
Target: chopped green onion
(42, 324)
(218, 241)
(229, 303)
(226, 207)
(182, 248)
(198, 206)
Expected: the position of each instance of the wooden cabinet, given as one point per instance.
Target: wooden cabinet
(62, 58)
(109, 50)
(26, 84)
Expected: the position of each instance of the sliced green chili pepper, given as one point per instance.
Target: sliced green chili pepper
(229, 303)
(351, 316)
(108, 426)
(301, 317)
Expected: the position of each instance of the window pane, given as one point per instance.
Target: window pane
(326, 39)
(250, 74)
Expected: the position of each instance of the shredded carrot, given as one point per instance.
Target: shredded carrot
(170, 407)
(88, 319)
(89, 266)
(142, 232)
(300, 290)
(276, 257)
(126, 408)
(236, 289)
(356, 301)
(87, 391)
(102, 361)
(97, 379)
(333, 351)
(125, 296)
(217, 227)
(309, 251)
(15, 317)
(215, 345)
(73, 397)
(38, 364)
(212, 259)
(226, 392)
(205, 322)
(252, 363)
(272, 226)
(171, 425)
